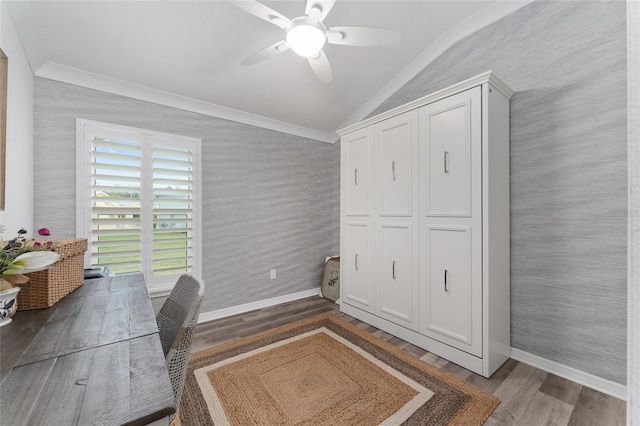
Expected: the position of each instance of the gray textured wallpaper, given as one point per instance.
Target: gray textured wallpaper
(566, 62)
(271, 200)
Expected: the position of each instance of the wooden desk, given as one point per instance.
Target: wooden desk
(93, 358)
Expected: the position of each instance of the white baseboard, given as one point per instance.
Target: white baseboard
(239, 309)
(589, 380)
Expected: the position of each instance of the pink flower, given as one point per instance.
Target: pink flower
(37, 244)
(44, 232)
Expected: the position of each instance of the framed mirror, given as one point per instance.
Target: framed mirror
(4, 68)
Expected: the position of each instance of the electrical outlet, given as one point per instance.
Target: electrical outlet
(272, 274)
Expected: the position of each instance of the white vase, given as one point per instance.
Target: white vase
(8, 304)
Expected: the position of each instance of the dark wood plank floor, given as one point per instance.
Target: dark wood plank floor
(529, 396)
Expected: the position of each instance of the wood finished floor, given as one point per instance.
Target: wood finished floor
(529, 396)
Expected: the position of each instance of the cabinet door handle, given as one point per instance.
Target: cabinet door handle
(355, 176)
(393, 269)
(446, 273)
(393, 170)
(356, 261)
(446, 161)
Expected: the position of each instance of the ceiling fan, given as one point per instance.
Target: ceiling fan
(306, 35)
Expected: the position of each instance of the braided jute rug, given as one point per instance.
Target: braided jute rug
(324, 371)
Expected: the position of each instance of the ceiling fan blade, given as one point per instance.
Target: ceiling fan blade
(266, 53)
(362, 36)
(325, 7)
(320, 66)
(263, 12)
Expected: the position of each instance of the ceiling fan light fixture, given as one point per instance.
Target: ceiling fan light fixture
(306, 38)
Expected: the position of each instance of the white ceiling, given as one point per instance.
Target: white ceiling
(187, 54)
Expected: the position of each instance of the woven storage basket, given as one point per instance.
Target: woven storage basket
(47, 287)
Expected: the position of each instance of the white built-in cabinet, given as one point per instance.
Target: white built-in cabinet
(425, 222)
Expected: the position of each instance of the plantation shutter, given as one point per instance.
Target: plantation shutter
(138, 200)
(116, 204)
(172, 210)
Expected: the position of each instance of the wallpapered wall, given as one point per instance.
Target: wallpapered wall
(270, 200)
(566, 62)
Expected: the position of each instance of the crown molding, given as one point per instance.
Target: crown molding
(487, 16)
(89, 80)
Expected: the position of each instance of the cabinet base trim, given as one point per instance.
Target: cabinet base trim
(454, 355)
(586, 379)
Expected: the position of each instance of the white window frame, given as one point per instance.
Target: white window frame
(85, 131)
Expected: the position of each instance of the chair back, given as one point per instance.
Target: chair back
(176, 320)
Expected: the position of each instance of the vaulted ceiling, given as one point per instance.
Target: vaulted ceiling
(187, 54)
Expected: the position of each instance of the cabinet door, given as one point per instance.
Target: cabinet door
(397, 138)
(357, 288)
(450, 127)
(357, 173)
(452, 311)
(396, 268)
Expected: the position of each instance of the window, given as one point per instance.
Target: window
(138, 198)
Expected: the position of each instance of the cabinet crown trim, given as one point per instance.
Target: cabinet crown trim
(486, 77)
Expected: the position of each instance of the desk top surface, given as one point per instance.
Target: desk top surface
(93, 358)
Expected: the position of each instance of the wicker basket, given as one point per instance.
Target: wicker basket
(47, 287)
